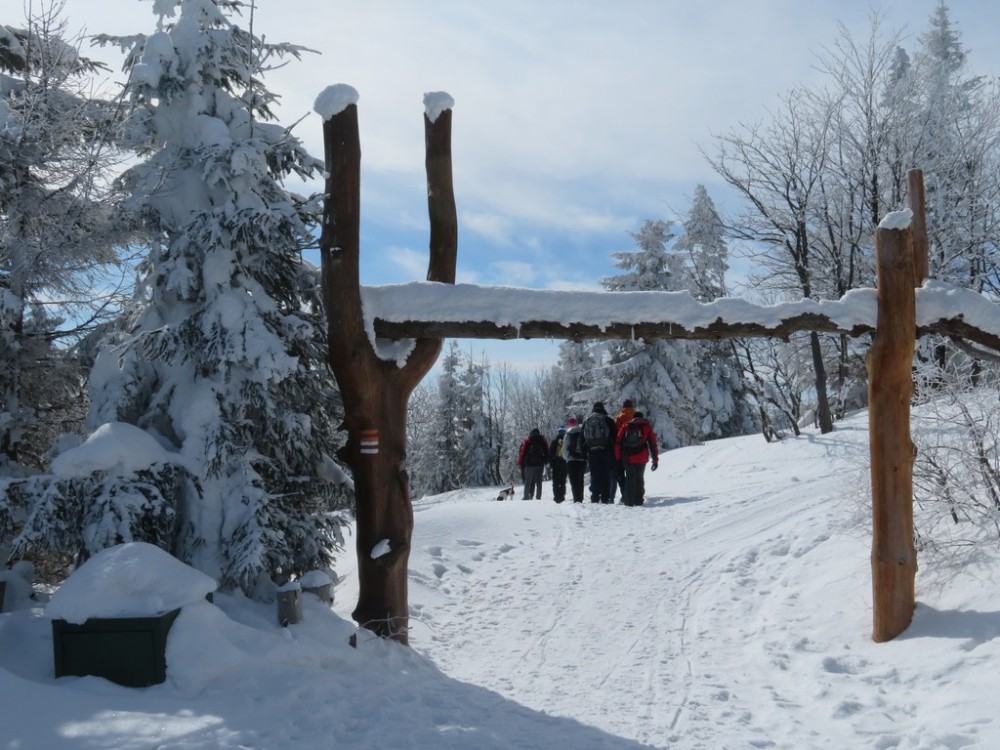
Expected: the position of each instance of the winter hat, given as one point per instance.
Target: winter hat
(599, 407)
(627, 403)
(637, 415)
(561, 430)
(571, 421)
(535, 432)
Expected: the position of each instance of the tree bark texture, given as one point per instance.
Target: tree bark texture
(890, 386)
(376, 391)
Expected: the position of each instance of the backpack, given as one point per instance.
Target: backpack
(534, 453)
(556, 449)
(573, 446)
(596, 432)
(632, 439)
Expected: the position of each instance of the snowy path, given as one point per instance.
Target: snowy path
(731, 612)
(700, 620)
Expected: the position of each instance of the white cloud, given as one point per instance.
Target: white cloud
(410, 263)
(491, 226)
(514, 273)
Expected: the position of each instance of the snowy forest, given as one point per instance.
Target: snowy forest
(156, 293)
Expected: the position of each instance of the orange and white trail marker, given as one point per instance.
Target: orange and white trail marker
(368, 440)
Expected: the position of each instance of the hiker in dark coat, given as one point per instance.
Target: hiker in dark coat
(575, 453)
(557, 463)
(635, 446)
(599, 435)
(531, 460)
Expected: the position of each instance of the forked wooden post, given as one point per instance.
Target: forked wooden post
(376, 391)
(890, 386)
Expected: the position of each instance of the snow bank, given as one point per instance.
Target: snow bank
(130, 580)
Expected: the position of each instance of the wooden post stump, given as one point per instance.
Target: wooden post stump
(289, 600)
(890, 386)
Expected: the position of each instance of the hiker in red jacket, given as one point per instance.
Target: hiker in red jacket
(635, 446)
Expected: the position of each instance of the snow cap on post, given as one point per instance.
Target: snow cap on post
(436, 102)
(335, 99)
(897, 220)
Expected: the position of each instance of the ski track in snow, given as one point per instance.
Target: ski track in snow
(694, 649)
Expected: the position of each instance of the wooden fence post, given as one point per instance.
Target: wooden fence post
(890, 386)
(915, 202)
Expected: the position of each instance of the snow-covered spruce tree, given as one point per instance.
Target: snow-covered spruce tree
(457, 426)
(703, 242)
(477, 444)
(957, 146)
(58, 234)
(497, 394)
(954, 137)
(726, 409)
(223, 361)
(421, 423)
(444, 470)
(663, 378)
(575, 375)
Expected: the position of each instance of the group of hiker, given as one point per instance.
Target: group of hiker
(614, 450)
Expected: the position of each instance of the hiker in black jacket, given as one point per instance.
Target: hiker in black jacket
(575, 452)
(531, 460)
(558, 465)
(599, 436)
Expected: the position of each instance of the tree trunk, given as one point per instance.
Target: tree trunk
(822, 399)
(376, 391)
(894, 556)
(377, 457)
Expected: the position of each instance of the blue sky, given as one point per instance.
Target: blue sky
(574, 120)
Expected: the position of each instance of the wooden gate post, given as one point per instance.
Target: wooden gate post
(916, 203)
(376, 391)
(890, 386)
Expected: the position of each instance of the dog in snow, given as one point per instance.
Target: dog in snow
(506, 494)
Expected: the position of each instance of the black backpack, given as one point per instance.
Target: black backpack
(573, 447)
(534, 453)
(596, 431)
(632, 440)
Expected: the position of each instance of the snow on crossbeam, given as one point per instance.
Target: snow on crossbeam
(428, 309)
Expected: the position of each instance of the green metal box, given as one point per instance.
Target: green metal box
(130, 651)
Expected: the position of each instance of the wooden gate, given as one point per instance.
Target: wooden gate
(376, 387)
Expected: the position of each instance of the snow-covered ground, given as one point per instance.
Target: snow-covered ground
(733, 610)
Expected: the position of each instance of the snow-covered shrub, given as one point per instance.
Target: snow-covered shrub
(956, 475)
